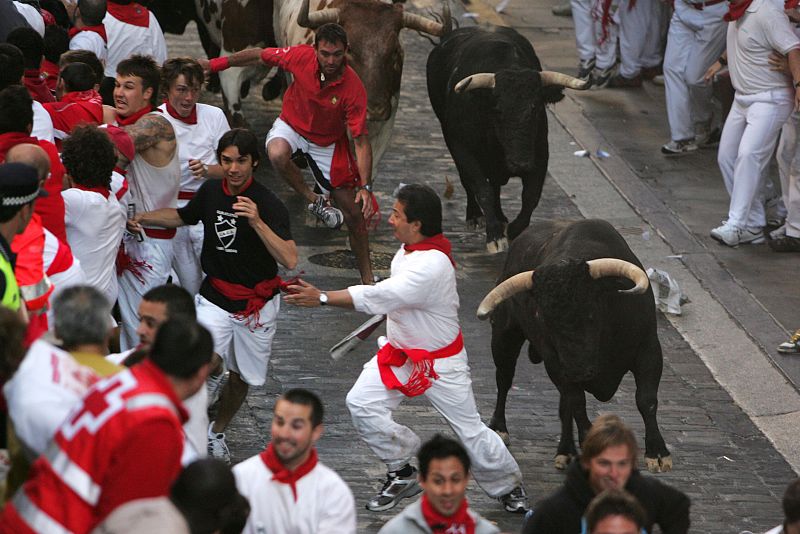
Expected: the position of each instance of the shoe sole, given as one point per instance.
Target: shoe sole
(793, 350)
(417, 489)
(756, 241)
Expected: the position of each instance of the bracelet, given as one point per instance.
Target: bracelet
(797, 85)
(722, 61)
(219, 63)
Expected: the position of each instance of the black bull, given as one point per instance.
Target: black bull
(581, 322)
(495, 122)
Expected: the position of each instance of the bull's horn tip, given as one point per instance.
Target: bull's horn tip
(462, 85)
(483, 313)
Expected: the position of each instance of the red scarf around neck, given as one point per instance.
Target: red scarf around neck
(460, 521)
(105, 191)
(131, 119)
(437, 242)
(191, 119)
(133, 13)
(736, 11)
(99, 30)
(7, 140)
(283, 475)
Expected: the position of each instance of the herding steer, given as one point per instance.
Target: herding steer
(579, 296)
(489, 92)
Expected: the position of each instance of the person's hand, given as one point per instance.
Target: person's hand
(797, 98)
(245, 207)
(778, 62)
(708, 77)
(364, 197)
(303, 294)
(198, 168)
(206, 68)
(134, 225)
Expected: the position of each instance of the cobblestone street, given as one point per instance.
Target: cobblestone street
(732, 473)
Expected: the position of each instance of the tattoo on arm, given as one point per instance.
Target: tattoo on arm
(149, 131)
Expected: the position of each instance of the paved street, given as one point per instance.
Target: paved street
(728, 467)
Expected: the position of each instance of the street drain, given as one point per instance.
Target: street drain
(345, 259)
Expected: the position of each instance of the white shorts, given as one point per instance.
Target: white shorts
(244, 349)
(319, 157)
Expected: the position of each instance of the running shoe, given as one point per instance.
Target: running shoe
(394, 489)
(732, 235)
(676, 148)
(322, 210)
(792, 346)
(214, 385)
(516, 501)
(217, 448)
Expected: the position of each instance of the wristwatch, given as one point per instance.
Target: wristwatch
(367, 187)
(323, 298)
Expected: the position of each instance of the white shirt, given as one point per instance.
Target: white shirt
(763, 28)
(118, 183)
(94, 231)
(125, 40)
(31, 15)
(324, 503)
(42, 124)
(152, 187)
(420, 300)
(197, 141)
(40, 395)
(92, 42)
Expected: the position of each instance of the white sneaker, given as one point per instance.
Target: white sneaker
(322, 210)
(732, 235)
(778, 232)
(217, 448)
(674, 148)
(214, 385)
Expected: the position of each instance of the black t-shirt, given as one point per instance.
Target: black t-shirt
(232, 250)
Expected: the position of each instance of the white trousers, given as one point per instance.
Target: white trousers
(589, 35)
(748, 139)
(694, 42)
(789, 167)
(371, 406)
(186, 248)
(636, 36)
(157, 254)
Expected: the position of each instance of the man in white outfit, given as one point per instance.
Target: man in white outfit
(596, 35)
(288, 489)
(695, 40)
(424, 354)
(763, 102)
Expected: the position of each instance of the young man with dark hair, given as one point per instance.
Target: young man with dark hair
(608, 461)
(246, 235)
(32, 46)
(154, 178)
(288, 488)
(325, 100)
(78, 102)
(12, 68)
(424, 355)
(87, 57)
(614, 511)
(443, 474)
(88, 31)
(94, 218)
(105, 454)
(198, 129)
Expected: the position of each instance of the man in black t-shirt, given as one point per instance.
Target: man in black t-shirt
(246, 236)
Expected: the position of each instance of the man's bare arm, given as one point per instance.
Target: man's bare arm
(151, 130)
(794, 68)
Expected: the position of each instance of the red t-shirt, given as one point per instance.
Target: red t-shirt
(321, 115)
(36, 87)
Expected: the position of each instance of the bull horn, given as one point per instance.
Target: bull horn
(316, 19)
(614, 267)
(506, 289)
(550, 77)
(482, 80)
(420, 23)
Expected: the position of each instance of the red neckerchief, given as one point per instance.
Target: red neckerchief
(736, 11)
(133, 13)
(460, 521)
(9, 139)
(228, 191)
(99, 30)
(791, 4)
(283, 475)
(131, 119)
(90, 96)
(105, 191)
(437, 242)
(191, 119)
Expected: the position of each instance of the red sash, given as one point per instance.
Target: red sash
(256, 297)
(460, 521)
(422, 374)
(283, 475)
(160, 233)
(344, 170)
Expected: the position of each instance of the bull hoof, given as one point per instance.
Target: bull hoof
(504, 436)
(659, 465)
(497, 246)
(562, 461)
(476, 224)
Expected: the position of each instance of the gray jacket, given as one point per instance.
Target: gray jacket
(410, 521)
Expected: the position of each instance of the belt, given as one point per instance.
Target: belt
(700, 5)
(186, 195)
(159, 233)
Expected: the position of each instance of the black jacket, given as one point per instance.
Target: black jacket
(561, 512)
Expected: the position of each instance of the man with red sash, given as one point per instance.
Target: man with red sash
(88, 31)
(122, 443)
(424, 355)
(78, 102)
(443, 474)
(325, 100)
(246, 235)
(288, 489)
